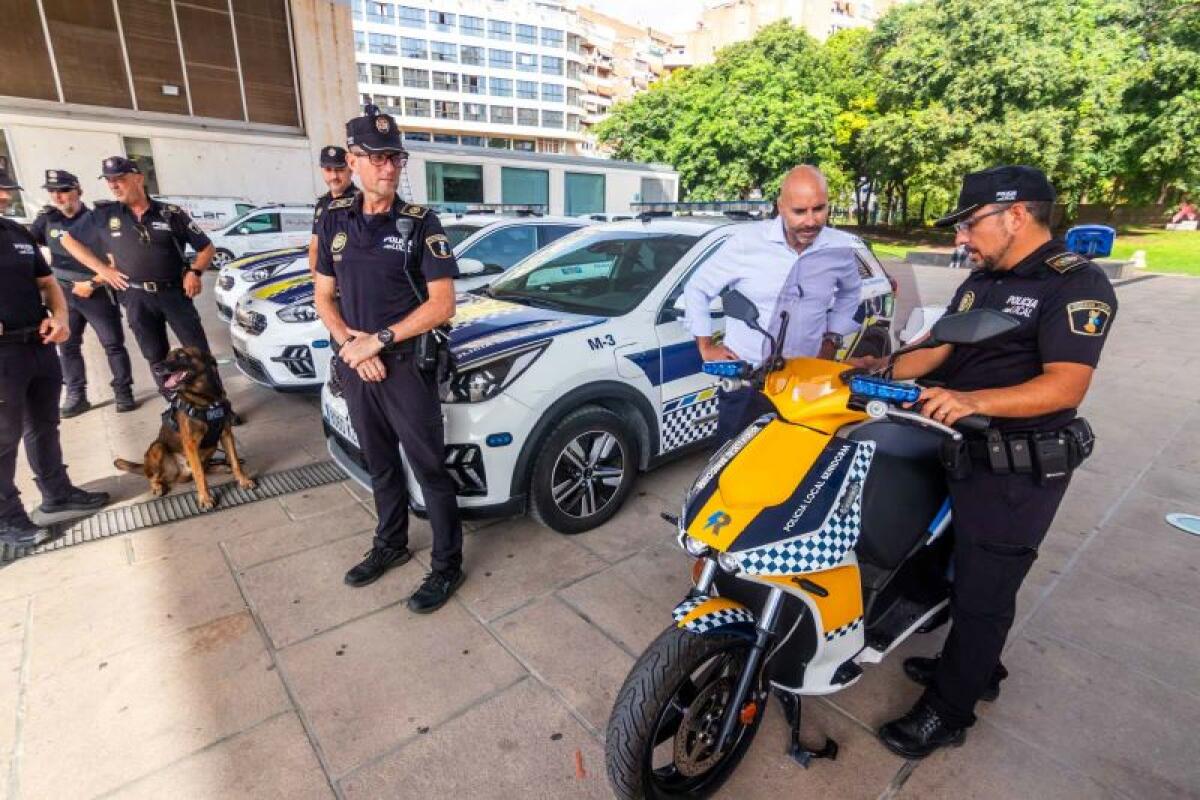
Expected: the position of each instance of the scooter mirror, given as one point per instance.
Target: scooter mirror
(973, 327)
(738, 306)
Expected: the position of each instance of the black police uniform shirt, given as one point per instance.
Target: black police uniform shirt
(21, 264)
(150, 249)
(368, 254)
(48, 228)
(1065, 305)
(323, 205)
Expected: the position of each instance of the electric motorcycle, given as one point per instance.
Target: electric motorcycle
(822, 538)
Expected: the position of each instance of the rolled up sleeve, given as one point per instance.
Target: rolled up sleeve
(707, 283)
(847, 295)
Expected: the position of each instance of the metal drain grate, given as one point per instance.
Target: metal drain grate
(172, 508)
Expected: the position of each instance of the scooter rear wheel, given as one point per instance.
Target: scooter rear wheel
(664, 725)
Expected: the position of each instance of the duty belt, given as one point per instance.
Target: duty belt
(1050, 455)
(20, 335)
(152, 287)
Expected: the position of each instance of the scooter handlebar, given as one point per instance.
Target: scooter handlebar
(974, 423)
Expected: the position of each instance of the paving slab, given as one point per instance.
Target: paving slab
(635, 527)
(370, 685)
(56, 571)
(13, 614)
(258, 546)
(520, 743)
(206, 531)
(1161, 558)
(321, 500)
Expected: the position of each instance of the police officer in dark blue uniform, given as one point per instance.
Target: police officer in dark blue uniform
(142, 241)
(30, 379)
(384, 282)
(88, 300)
(336, 174)
(1004, 489)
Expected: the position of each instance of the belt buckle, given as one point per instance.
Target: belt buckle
(150, 286)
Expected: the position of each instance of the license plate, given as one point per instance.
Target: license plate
(341, 424)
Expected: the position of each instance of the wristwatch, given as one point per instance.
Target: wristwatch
(833, 338)
(385, 336)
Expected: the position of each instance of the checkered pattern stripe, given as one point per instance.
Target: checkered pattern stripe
(687, 607)
(678, 426)
(849, 627)
(825, 547)
(711, 621)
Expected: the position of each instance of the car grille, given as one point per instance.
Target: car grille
(465, 463)
(298, 361)
(224, 311)
(251, 322)
(252, 367)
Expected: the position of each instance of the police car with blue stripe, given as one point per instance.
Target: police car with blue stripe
(237, 277)
(574, 371)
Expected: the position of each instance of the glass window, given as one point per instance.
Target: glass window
(552, 65)
(525, 186)
(139, 152)
(574, 96)
(552, 92)
(574, 70)
(527, 116)
(416, 107)
(526, 62)
(445, 109)
(550, 145)
(384, 44)
(500, 59)
(416, 78)
(472, 141)
(358, 8)
(574, 43)
(573, 122)
(379, 12)
(502, 115)
(444, 51)
(259, 223)
(453, 183)
(458, 231)
(416, 136)
(552, 233)
(552, 37)
(584, 194)
(498, 143)
(445, 81)
(441, 21)
(527, 34)
(412, 48)
(656, 190)
(473, 84)
(385, 75)
(445, 138)
(360, 41)
(471, 55)
(411, 17)
(527, 90)
(523, 144)
(364, 73)
(389, 104)
(504, 247)
(499, 30)
(552, 119)
(471, 26)
(500, 87)
(475, 112)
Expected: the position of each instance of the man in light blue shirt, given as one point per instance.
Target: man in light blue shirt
(793, 263)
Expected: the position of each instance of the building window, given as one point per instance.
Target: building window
(474, 112)
(389, 104)
(365, 100)
(363, 73)
(471, 26)
(360, 41)
(384, 75)
(527, 34)
(523, 145)
(471, 55)
(527, 90)
(574, 96)
(552, 65)
(499, 143)
(500, 59)
(383, 44)
(416, 136)
(473, 84)
(416, 107)
(526, 62)
(574, 70)
(550, 146)
(139, 152)
(525, 186)
(574, 43)
(359, 9)
(445, 138)
(552, 92)
(472, 141)
(552, 38)
(573, 122)
(413, 48)
(412, 17)
(501, 87)
(444, 51)
(380, 12)
(502, 115)
(454, 183)
(552, 119)
(527, 116)
(445, 109)
(445, 81)
(416, 78)
(499, 30)
(584, 194)
(441, 21)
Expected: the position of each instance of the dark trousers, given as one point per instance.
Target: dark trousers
(30, 382)
(149, 314)
(403, 410)
(737, 409)
(104, 315)
(999, 522)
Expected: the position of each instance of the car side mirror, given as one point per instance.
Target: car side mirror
(972, 327)
(739, 307)
(678, 309)
(243, 230)
(471, 266)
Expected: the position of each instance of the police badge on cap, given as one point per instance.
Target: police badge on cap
(374, 132)
(60, 179)
(333, 156)
(1006, 184)
(116, 166)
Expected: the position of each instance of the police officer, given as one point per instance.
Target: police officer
(1005, 488)
(30, 379)
(384, 281)
(336, 174)
(142, 241)
(88, 300)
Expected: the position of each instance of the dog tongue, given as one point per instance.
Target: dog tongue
(173, 380)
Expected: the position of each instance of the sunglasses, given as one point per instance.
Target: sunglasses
(379, 159)
(966, 225)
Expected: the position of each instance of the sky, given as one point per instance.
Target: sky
(672, 16)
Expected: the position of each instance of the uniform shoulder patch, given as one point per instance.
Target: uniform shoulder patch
(439, 246)
(341, 202)
(1066, 262)
(414, 211)
(1088, 317)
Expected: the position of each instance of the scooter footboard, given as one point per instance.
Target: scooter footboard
(704, 615)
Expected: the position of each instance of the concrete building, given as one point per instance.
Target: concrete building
(212, 97)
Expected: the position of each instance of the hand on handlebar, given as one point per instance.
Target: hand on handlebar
(717, 352)
(947, 406)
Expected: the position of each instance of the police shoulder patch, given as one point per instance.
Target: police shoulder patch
(341, 203)
(439, 246)
(414, 211)
(1066, 262)
(1088, 317)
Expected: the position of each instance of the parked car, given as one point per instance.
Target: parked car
(574, 371)
(210, 213)
(235, 278)
(267, 228)
(497, 243)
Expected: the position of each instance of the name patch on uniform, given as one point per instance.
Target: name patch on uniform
(1065, 262)
(160, 226)
(338, 244)
(439, 245)
(1088, 317)
(966, 302)
(1020, 306)
(24, 248)
(398, 244)
(414, 211)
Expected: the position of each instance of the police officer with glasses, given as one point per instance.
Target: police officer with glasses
(336, 174)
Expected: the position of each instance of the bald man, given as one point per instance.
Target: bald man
(793, 263)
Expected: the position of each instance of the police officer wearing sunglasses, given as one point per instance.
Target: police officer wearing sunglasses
(1006, 488)
(384, 285)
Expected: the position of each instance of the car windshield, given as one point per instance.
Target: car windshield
(594, 271)
(459, 231)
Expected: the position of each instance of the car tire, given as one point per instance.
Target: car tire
(221, 257)
(586, 469)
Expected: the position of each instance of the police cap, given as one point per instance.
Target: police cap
(6, 179)
(333, 156)
(1006, 184)
(115, 166)
(374, 132)
(60, 179)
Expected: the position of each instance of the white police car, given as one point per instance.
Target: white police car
(263, 229)
(574, 371)
(237, 277)
(486, 245)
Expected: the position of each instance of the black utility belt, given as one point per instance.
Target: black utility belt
(153, 287)
(1050, 456)
(20, 335)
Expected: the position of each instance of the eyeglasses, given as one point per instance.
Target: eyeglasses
(397, 160)
(966, 225)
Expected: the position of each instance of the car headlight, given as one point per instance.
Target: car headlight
(483, 380)
(298, 312)
(260, 273)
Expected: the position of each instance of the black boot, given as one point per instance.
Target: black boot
(378, 561)
(75, 404)
(437, 589)
(920, 732)
(921, 671)
(20, 531)
(76, 500)
(124, 399)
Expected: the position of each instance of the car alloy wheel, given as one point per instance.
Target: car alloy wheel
(587, 473)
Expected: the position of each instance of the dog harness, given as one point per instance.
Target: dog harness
(216, 417)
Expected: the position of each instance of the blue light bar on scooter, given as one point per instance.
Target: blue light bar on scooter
(879, 389)
(724, 369)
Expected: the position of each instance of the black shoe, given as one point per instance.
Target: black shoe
(77, 500)
(438, 588)
(20, 532)
(919, 732)
(378, 561)
(921, 670)
(74, 405)
(124, 400)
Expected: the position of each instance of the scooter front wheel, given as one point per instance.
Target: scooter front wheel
(662, 734)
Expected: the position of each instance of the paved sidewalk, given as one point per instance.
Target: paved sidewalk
(222, 657)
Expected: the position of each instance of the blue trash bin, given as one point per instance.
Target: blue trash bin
(1093, 241)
